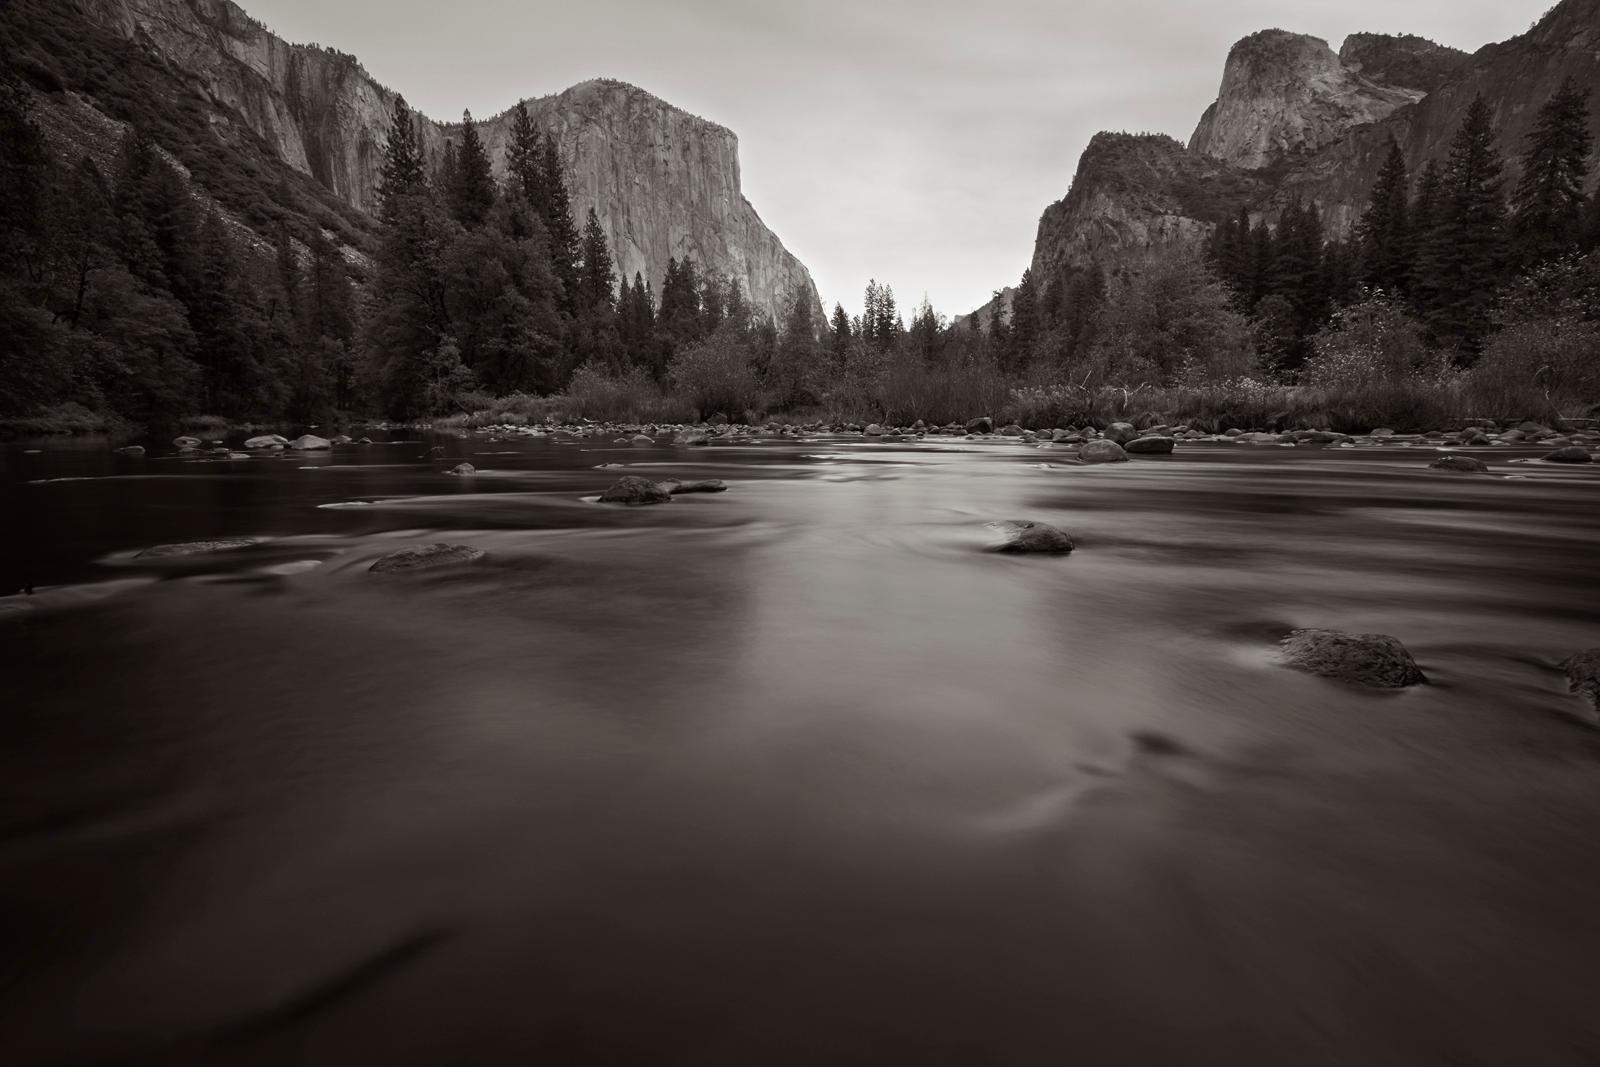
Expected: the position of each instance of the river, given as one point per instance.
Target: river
(796, 773)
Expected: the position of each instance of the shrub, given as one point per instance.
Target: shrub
(630, 395)
(1538, 368)
(716, 375)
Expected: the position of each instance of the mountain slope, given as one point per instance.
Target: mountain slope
(1295, 121)
(663, 182)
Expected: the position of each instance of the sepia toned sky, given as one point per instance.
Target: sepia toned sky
(914, 141)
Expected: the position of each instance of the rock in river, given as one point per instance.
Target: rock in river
(270, 440)
(1121, 432)
(635, 490)
(310, 443)
(416, 559)
(1571, 454)
(692, 437)
(194, 548)
(1020, 536)
(1150, 446)
(981, 425)
(1461, 464)
(1375, 660)
(462, 470)
(1583, 678)
(1103, 452)
(713, 485)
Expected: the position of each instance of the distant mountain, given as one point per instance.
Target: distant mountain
(258, 119)
(1293, 119)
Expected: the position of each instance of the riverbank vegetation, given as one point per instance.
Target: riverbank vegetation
(127, 296)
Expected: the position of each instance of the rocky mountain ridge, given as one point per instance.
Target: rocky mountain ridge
(663, 183)
(1293, 120)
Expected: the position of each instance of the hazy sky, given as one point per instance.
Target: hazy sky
(915, 141)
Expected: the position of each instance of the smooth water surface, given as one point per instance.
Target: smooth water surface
(798, 773)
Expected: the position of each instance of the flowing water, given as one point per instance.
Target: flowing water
(798, 773)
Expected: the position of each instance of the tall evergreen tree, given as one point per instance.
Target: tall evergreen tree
(1467, 247)
(525, 160)
(565, 245)
(1024, 323)
(1384, 233)
(597, 276)
(402, 172)
(1548, 215)
(472, 194)
(839, 329)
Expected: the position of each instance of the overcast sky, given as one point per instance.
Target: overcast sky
(915, 141)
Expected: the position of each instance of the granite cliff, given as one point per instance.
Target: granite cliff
(663, 182)
(1294, 120)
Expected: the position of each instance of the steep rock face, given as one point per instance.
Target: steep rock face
(663, 182)
(1403, 61)
(1135, 191)
(1287, 92)
(1269, 140)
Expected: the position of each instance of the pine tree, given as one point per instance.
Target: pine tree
(473, 193)
(1548, 203)
(1425, 212)
(1467, 247)
(1383, 234)
(403, 172)
(888, 327)
(596, 275)
(1024, 324)
(839, 329)
(565, 246)
(525, 160)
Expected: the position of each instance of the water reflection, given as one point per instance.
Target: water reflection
(796, 773)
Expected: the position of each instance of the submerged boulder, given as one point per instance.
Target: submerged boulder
(186, 442)
(1571, 454)
(1019, 536)
(1375, 660)
(1460, 464)
(416, 559)
(1150, 446)
(1103, 452)
(711, 485)
(130, 450)
(632, 489)
(1583, 679)
(462, 469)
(194, 548)
(692, 437)
(310, 443)
(1012, 430)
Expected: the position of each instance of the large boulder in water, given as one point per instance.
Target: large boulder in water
(1375, 660)
(1150, 446)
(635, 490)
(428, 556)
(1103, 452)
(1020, 536)
(194, 548)
(1583, 678)
(270, 440)
(981, 425)
(310, 443)
(1460, 464)
(461, 470)
(1571, 454)
(1121, 432)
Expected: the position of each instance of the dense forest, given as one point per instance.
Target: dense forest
(129, 295)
